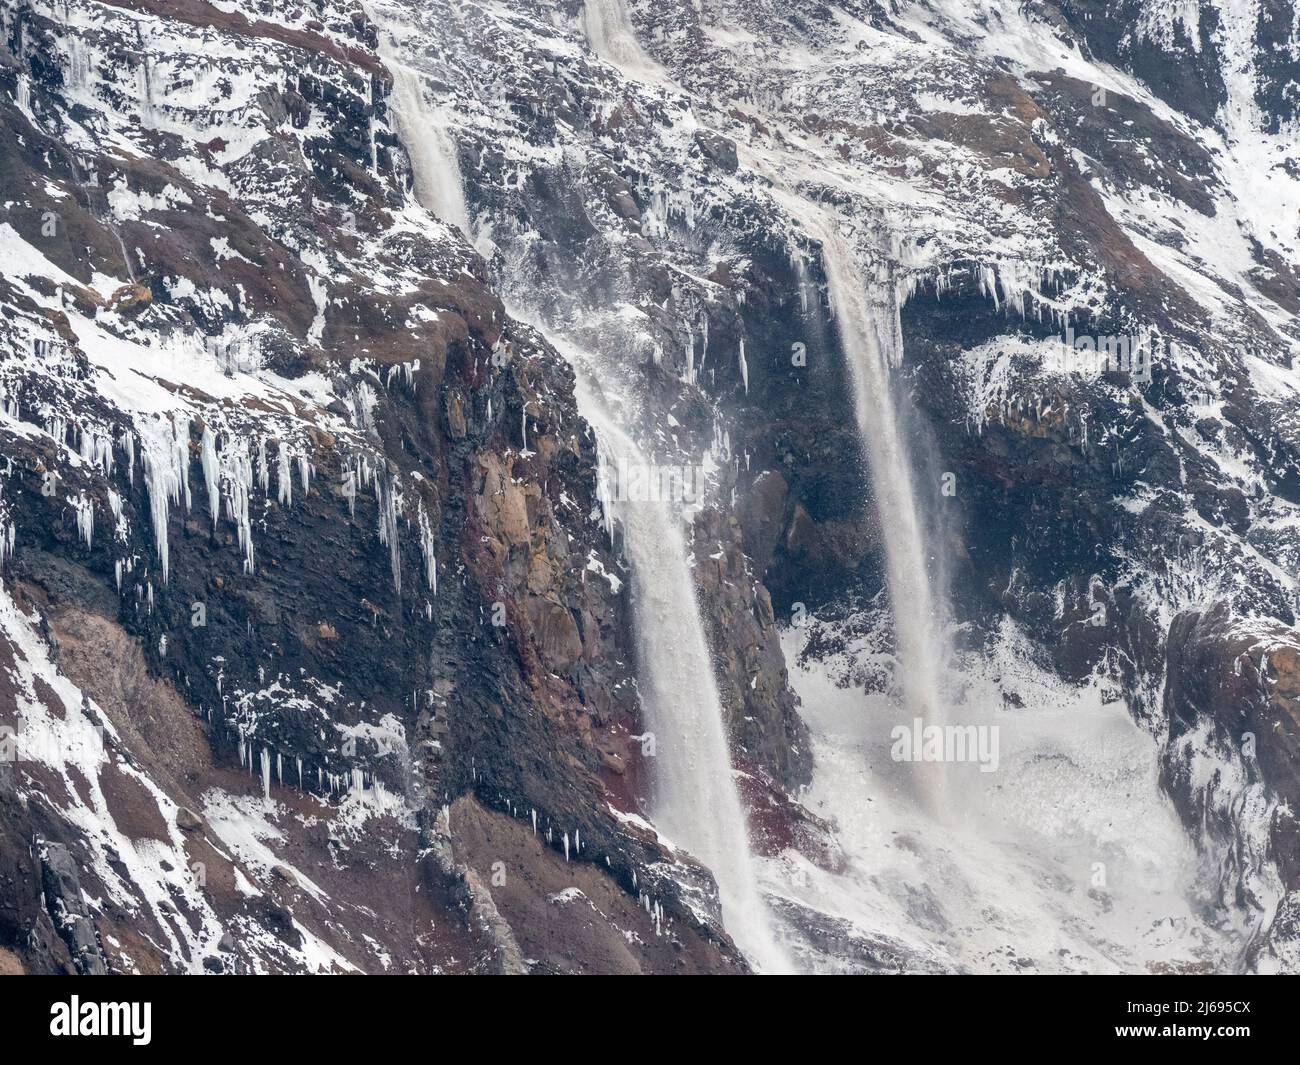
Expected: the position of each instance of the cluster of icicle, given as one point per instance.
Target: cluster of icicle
(354, 783)
(233, 467)
(392, 506)
(1046, 291)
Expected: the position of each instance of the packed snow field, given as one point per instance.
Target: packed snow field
(1066, 859)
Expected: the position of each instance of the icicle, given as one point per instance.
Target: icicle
(427, 547)
(263, 466)
(78, 63)
(350, 490)
(96, 450)
(285, 481)
(523, 417)
(85, 507)
(388, 530)
(166, 470)
(211, 474)
(237, 474)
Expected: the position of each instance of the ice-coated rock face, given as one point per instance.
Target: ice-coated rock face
(306, 554)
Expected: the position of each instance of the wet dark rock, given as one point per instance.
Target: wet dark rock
(67, 908)
(721, 150)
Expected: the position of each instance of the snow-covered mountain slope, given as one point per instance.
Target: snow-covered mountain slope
(300, 510)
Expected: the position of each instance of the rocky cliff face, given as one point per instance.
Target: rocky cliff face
(316, 651)
(306, 515)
